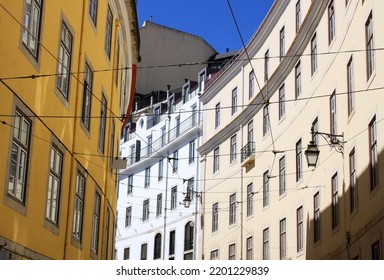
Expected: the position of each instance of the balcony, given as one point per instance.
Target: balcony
(248, 154)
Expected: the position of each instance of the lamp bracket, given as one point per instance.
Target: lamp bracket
(335, 141)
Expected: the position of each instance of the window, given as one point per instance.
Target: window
(315, 128)
(93, 10)
(250, 200)
(145, 216)
(373, 158)
(281, 102)
(190, 187)
(108, 32)
(159, 204)
(232, 252)
(147, 179)
(251, 84)
(78, 211)
(32, 22)
(173, 198)
(202, 77)
(215, 217)
(175, 163)
(233, 148)
(249, 248)
(188, 241)
(298, 15)
(143, 254)
(335, 202)
(128, 216)
(331, 22)
(194, 115)
(299, 161)
(215, 255)
(297, 80)
(157, 247)
(163, 136)
(352, 181)
(283, 239)
(217, 115)
(350, 87)
(18, 169)
(172, 242)
(265, 119)
(234, 101)
(186, 93)
(132, 154)
(54, 185)
(282, 183)
(375, 249)
(126, 253)
(265, 189)
(266, 244)
(316, 215)
(266, 66)
(232, 209)
(282, 43)
(216, 160)
(300, 229)
(149, 145)
(95, 223)
(177, 126)
(161, 170)
(250, 131)
(313, 54)
(130, 184)
(65, 57)
(191, 151)
(333, 116)
(87, 94)
(103, 118)
(369, 46)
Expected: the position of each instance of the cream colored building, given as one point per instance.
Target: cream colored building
(312, 65)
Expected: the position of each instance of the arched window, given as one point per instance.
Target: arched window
(157, 248)
(188, 241)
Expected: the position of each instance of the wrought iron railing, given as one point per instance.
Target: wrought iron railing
(247, 150)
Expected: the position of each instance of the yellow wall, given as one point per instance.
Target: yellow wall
(55, 120)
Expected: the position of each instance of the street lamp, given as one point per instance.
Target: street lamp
(333, 140)
(312, 154)
(187, 199)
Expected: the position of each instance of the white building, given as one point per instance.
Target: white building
(153, 222)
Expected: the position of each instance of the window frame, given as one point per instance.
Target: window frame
(57, 176)
(232, 209)
(64, 61)
(373, 154)
(23, 142)
(108, 32)
(369, 45)
(335, 202)
(30, 32)
(78, 212)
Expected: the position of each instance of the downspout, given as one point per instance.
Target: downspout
(72, 173)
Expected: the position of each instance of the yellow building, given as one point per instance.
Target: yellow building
(66, 76)
(311, 66)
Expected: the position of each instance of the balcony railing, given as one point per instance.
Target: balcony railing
(165, 139)
(248, 153)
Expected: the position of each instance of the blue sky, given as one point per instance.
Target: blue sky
(210, 19)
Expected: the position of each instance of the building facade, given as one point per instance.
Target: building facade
(314, 73)
(163, 168)
(66, 77)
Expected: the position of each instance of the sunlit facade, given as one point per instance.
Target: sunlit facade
(312, 66)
